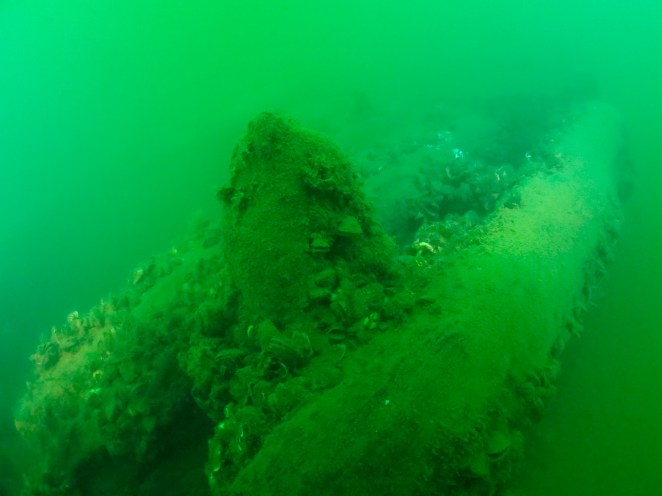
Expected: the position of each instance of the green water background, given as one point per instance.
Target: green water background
(117, 120)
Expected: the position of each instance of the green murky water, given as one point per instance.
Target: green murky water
(117, 121)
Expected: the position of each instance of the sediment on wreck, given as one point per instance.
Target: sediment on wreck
(439, 405)
(286, 349)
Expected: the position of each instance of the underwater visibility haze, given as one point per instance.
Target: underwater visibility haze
(330, 247)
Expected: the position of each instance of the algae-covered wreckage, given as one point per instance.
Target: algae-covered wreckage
(291, 347)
